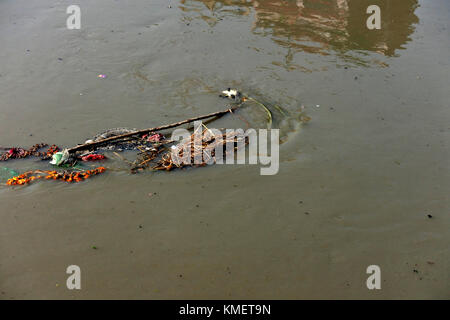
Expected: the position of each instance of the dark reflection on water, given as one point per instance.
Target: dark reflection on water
(319, 26)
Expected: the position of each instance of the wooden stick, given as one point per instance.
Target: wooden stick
(167, 126)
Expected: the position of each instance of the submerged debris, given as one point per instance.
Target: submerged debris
(111, 133)
(129, 143)
(7, 173)
(145, 157)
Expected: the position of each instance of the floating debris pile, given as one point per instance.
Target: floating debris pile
(192, 153)
(154, 151)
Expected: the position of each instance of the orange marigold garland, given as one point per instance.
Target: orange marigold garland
(67, 176)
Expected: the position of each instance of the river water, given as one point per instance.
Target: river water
(364, 182)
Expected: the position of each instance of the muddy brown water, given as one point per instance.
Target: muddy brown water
(355, 184)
